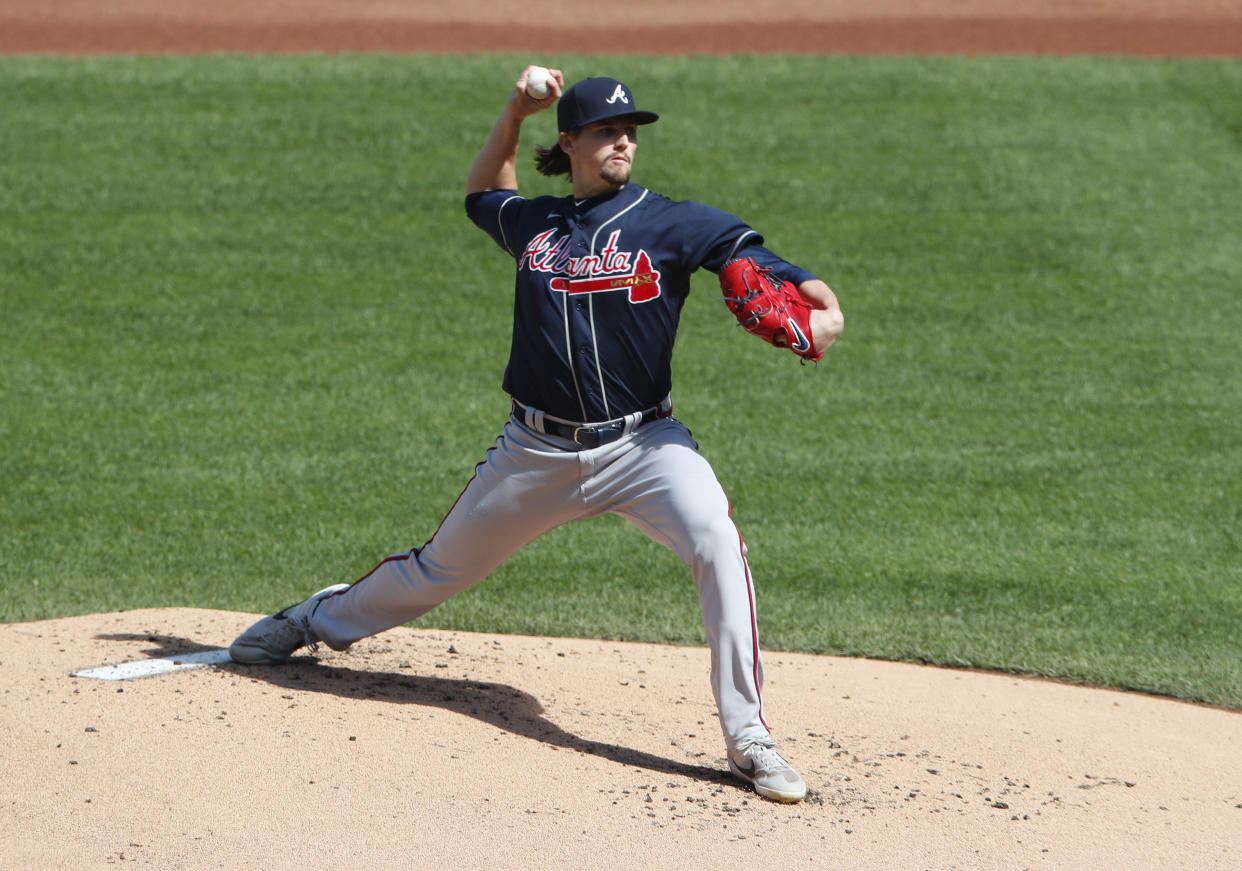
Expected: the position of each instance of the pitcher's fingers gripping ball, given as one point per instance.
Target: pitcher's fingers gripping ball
(541, 84)
(768, 307)
(537, 82)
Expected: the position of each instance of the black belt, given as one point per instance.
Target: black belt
(587, 435)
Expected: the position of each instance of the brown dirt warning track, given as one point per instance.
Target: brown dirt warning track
(1136, 27)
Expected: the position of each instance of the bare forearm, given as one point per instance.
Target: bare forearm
(495, 166)
(827, 320)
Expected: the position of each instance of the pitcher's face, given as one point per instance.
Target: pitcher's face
(601, 154)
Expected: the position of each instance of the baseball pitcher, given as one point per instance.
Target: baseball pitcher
(601, 278)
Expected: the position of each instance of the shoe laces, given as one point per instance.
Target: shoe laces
(764, 756)
(301, 625)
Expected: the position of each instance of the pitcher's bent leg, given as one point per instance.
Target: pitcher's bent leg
(677, 501)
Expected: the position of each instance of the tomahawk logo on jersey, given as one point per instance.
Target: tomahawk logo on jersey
(610, 270)
(642, 282)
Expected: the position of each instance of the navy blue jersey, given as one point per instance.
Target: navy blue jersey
(599, 291)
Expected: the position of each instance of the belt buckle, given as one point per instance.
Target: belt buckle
(580, 431)
(597, 435)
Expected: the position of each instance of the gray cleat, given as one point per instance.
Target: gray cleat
(762, 767)
(274, 639)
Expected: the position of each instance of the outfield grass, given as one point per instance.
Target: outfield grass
(250, 345)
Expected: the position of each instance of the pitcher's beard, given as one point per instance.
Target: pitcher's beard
(615, 172)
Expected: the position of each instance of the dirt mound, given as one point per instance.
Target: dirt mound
(430, 749)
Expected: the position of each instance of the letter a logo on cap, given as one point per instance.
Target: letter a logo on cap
(589, 101)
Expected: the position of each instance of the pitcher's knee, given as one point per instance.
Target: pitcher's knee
(715, 541)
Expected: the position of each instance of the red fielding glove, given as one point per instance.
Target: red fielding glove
(768, 307)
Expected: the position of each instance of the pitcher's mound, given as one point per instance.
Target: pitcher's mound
(428, 749)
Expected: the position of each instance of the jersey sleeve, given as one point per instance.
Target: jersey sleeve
(714, 237)
(780, 267)
(708, 235)
(497, 213)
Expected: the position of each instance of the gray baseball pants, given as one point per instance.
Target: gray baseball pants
(530, 483)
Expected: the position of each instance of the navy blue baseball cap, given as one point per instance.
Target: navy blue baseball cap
(595, 99)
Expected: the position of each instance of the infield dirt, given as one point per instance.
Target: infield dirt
(432, 750)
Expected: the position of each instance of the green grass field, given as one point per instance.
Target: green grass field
(250, 345)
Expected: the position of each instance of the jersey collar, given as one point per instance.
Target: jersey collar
(628, 194)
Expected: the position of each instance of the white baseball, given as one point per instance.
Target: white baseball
(537, 82)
